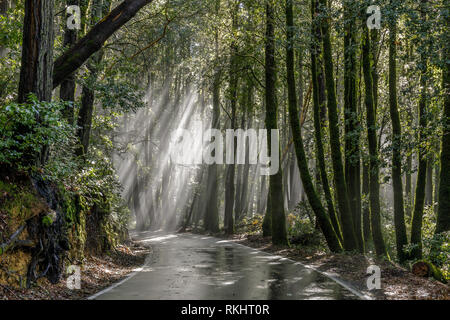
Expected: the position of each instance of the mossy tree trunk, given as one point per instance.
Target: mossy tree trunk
(374, 184)
(67, 89)
(443, 213)
(348, 232)
(314, 200)
(419, 201)
(279, 234)
(429, 181)
(84, 121)
(399, 215)
(231, 168)
(367, 230)
(4, 6)
(408, 184)
(352, 131)
(320, 154)
(246, 171)
(211, 219)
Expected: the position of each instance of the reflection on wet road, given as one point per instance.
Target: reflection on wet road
(195, 267)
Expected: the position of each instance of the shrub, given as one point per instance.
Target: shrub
(25, 129)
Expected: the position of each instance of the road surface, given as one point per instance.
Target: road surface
(196, 267)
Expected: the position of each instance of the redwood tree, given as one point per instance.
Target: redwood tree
(279, 234)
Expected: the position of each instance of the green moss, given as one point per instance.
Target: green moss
(434, 272)
(19, 203)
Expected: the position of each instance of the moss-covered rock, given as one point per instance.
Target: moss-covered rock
(18, 204)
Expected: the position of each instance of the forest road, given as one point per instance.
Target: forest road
(197, 267)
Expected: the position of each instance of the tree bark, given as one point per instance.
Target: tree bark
(314, 200)
(416, 224)
(239, 181)
(140, 222)
(348, 232)
(84, 121)
(443, 213)
(67, 89)
(229, 182)
(37, 61)
(399, 215)
(367, 231)
(352, 131)
(408, 184)
(4, 6)
(318, 121)
(244, 195)
(211, 219)
(429, 182)
(279, 234)
(37, 51)
(374, 184)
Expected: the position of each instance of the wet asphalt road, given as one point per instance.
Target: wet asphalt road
(196, 267)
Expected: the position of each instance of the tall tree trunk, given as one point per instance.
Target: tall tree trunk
(408, 184)
(317, 105)
(67, 89)
(37, 51)
(348, 232)
(211, 219)
(140, 223)
(84, 121)
(416, 225)
(399, 215)
(249, 110)
(374, 39)
(267, 221)
(314, 200)
(443, 213)
(352, 152)
(196, 195)
(429, 182)
(37, 59)
(367, 230)
(279, 234)
(229, 182)
(4, 6)
(374, 184)
(239, 181)
(36, 78)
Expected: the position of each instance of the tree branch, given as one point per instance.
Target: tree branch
(74, 58)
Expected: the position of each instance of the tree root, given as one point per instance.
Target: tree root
(13, 240)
